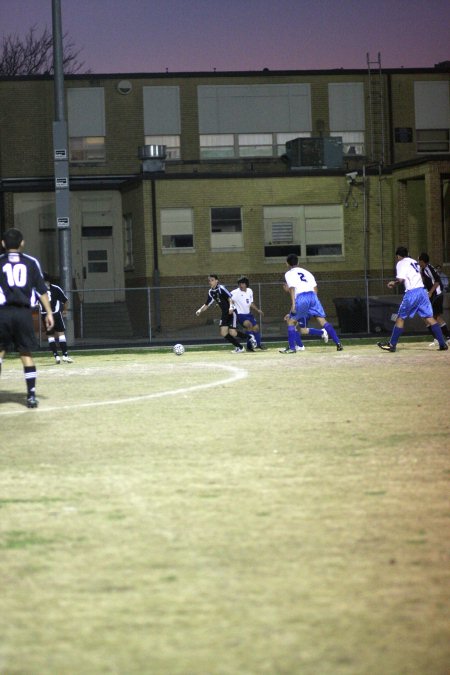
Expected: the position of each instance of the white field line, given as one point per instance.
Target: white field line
(236, 374)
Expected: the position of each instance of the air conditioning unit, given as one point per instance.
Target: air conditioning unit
(152, 157)
(321, 152)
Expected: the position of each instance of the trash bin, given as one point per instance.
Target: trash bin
(382, 313)
(351, 314)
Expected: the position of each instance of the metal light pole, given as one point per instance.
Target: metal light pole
(61, 166)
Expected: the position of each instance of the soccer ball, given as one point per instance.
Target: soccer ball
(178, 349)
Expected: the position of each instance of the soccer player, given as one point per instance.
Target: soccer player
(415, 301)
(305, 304)
(58, 302)
(242, 298)
(220, 295)
(435, 288)
(20, 277)
(302, 328)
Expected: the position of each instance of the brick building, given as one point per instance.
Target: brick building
(339, 166)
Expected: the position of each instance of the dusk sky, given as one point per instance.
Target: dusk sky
(126, 36)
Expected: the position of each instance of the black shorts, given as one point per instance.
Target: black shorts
(17, 329)
(59, 326)
(437, 304)
(228, 319)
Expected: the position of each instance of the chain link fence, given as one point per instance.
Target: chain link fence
(166, 314)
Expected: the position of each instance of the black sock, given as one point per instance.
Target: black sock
(63, 346)
(444, 329)
(52, 347)
(30, 379)
(234, 341)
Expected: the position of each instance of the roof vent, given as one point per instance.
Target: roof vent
(124, 87)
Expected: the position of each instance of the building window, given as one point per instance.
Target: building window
(432, 113)
(432, 140)
(307, 231)
(86, 124)
(97, 261)
(177, 229)
(226, 228)
(87, 149)
(171, 142)
(352, 142)
(255, 145)
(162, 118)
(232, 146)
(127, 223)
(216, 146)
(347, 116)
(324, 230)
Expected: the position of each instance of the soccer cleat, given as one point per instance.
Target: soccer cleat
(299, 349)
(324, 335)
(289, 351)
(433, 344)
(386, 346)
(32, 401)
(252, 342)
(67, 359)
(249, 348)
(340, 348)
(57, 360)
(262, 347)
(443, 348)
(238, 350)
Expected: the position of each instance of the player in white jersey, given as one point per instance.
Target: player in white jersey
(305, 304)
(244, 304)
(415, 301)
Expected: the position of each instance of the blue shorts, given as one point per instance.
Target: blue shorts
(303, 321)
(415, 302)
(308, 305)
(247, 317)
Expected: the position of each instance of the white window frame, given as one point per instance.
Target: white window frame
(87, 149)
(225, 236)
(177, 225)
(300, 229)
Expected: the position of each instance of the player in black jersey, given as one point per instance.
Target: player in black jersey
(435, 288)
(20, 277)
(220, 295)
(58, 302)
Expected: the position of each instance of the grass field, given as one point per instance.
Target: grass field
(221, 514)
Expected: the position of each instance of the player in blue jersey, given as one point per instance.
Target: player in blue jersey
(305, 304)
(20, 278)
(415, 301)
(220, 295)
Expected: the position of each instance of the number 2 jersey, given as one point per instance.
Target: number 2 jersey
(300, 279)
(20, 276)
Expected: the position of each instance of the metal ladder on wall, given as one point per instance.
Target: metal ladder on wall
(377, 138)
(376, 111)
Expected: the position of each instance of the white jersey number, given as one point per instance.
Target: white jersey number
(16, 274)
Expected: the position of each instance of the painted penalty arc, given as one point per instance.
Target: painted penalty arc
(236, 374)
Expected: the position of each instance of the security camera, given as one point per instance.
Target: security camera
(351, 177)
